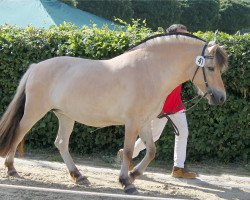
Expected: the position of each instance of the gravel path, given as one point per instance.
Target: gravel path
(36, 175)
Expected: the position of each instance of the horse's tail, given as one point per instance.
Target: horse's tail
(12, 116)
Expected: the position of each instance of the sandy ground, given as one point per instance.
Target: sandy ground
(37, 172)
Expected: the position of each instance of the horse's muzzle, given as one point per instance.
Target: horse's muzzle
(217, 97)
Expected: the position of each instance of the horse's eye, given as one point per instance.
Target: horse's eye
(211, 68)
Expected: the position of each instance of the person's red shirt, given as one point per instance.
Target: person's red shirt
(173, 102)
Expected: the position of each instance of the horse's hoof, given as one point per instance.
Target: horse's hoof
(82, 180)
(131, 190)
(78, 178)
(13, 173)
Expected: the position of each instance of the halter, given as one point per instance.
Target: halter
(200, 63)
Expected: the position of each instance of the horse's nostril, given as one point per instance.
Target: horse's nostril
(222, 99)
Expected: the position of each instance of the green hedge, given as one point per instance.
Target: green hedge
(157, 13)
(234, 15)
(108, 9)
(215, 132)
(198, 15)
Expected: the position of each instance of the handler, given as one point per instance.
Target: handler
(174, 109)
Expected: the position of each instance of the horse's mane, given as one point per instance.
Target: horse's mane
(165, 35)
(221, 58)
(220, 54)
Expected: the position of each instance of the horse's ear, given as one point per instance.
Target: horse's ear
(212, 49)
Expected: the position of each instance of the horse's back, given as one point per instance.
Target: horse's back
(80, 88)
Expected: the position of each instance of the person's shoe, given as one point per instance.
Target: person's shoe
(182, 173)
(120, 155)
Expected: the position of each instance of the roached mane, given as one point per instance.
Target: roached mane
(165, 35)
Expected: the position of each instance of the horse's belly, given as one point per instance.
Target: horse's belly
(96, 119)
(98, 123)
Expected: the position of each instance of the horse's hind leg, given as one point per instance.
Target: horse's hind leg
(32, 114)
(62, 142)
(131, 133)
(20, 149)
(147, 138)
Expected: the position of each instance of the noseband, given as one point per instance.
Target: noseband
(200, 63)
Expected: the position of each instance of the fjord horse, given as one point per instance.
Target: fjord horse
(129, 90)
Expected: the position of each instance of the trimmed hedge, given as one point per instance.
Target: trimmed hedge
(234, 15)
(108, 9)
(215, 132)
(157, 13)
(200, 15)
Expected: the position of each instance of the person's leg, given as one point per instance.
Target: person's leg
(157, 126)
(180, 120)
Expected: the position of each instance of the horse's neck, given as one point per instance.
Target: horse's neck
(174, 65)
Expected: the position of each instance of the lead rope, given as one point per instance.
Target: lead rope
(161, 115)
(176, 130)
(195, 103)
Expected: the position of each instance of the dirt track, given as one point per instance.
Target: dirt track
(228, 182)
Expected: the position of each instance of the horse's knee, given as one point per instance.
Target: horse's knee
(56, 143)
(151, 153)
(59, 143)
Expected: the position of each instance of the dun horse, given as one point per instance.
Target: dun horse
(129, 90)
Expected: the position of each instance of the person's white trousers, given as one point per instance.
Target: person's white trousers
(157, 126)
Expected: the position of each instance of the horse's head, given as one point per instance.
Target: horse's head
(210, 65)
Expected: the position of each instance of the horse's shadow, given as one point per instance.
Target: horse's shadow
(196, 184)
(20, 180)
(229, 193)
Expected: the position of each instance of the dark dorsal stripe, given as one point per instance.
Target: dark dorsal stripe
(166, 34)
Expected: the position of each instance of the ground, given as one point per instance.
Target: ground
(41, 175)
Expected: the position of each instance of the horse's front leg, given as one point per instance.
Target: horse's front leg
(147, 138)
(62, 141)
(131, 133)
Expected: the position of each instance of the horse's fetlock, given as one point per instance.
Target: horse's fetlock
(124, 181)
(134, 174)
(9, 165)
(75, 173)
(121, 181)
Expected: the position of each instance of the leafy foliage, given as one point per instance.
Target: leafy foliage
(234, 15)
(200, 15)
(215, 132)
(108, 9)
(157, 13)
